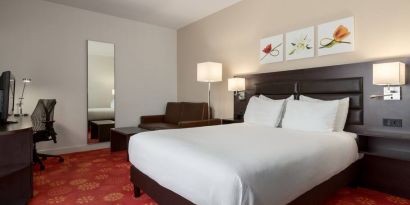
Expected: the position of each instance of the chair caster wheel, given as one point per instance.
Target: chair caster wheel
(61, 160)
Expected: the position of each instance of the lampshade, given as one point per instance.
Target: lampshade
(236, 84)
(389, 73)
(209, 72)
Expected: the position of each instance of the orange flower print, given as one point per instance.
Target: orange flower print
(88, 186)
(85, 199)
(397, 200)
(339, 34)
(56, 200)
(101, 176)
(128, 187)
(113, 196)
(59, 191)
(57, 183)
(77, 182)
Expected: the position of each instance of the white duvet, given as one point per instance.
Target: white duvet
(240, 163)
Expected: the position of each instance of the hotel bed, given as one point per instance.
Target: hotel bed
(241, 163)
(246, 163)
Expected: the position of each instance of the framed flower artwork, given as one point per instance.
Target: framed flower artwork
(300, 43)
(336, 37)
(271, 49)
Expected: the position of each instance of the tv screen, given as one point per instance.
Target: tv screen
(7, 90)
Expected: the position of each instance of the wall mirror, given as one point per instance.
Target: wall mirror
(100, 88)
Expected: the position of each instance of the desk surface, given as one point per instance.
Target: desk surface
(22, 124)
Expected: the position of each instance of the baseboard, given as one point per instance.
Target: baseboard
(80, 148)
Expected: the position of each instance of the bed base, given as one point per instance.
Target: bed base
(316, 196)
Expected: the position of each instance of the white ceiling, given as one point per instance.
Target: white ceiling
(169, 13)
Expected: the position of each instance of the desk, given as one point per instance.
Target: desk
(16, 156)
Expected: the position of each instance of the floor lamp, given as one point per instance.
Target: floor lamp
(209, 72)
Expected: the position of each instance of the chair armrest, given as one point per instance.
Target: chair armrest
(199, 123)
(152, 118)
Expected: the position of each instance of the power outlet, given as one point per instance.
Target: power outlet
(392, 123)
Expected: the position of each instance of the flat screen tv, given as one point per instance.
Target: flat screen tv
(7, 95)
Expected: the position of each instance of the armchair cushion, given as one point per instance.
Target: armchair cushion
(172, 112)
(193, 111)
(152, 119)
(199, 123)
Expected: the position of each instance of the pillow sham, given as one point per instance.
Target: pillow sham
(267, 98)
(342, 111)
(263, 112)
(310, 116)
(282, 112)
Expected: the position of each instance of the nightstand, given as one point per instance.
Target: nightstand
(231, 121)
(386, 162)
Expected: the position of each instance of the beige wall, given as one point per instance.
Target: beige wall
(232, 36)
(47, 42)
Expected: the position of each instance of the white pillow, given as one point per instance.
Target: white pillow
(342, 111)
(310, 116)
(266, 98)
(263, 112)
(282, 112)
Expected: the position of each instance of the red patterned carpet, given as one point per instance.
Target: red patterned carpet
(101, 177)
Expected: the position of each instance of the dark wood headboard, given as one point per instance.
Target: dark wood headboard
(334, 82)
(328, 89)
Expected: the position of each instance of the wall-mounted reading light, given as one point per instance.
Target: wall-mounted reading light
(389, 74)
(237, 85)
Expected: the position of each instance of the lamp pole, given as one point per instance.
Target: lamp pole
(20, 104)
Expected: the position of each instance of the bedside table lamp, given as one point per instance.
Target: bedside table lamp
(209, 72)
(389, 74)
(237, 85)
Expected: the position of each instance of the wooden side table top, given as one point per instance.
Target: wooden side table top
(128, 130)
(103, 122)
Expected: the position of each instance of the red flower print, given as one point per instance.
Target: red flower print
(268, 49)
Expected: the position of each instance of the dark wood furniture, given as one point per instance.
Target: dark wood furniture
(179, 115)
(121, 136)
(101, 129)
(16, 155)
(231, 121)
(386, 168)
(332, 82)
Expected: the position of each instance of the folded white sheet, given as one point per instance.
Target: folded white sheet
(241, 163)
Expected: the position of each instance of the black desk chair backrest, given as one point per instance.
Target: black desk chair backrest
(42, 114)
(43, 129)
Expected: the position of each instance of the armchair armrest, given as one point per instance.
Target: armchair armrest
(199, 123)
(152, 118)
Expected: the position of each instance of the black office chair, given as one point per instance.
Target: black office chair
(43, 130)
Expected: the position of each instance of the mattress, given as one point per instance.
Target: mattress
(241, 164)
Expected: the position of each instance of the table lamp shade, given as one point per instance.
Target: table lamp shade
(389, 73)
(236, 84)
(209, 72)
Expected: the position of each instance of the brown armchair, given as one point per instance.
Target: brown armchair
(179, 115)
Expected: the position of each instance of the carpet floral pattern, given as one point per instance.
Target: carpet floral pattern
(102, 178)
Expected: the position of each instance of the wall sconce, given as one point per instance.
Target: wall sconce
(237, 85)
(389, 74)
